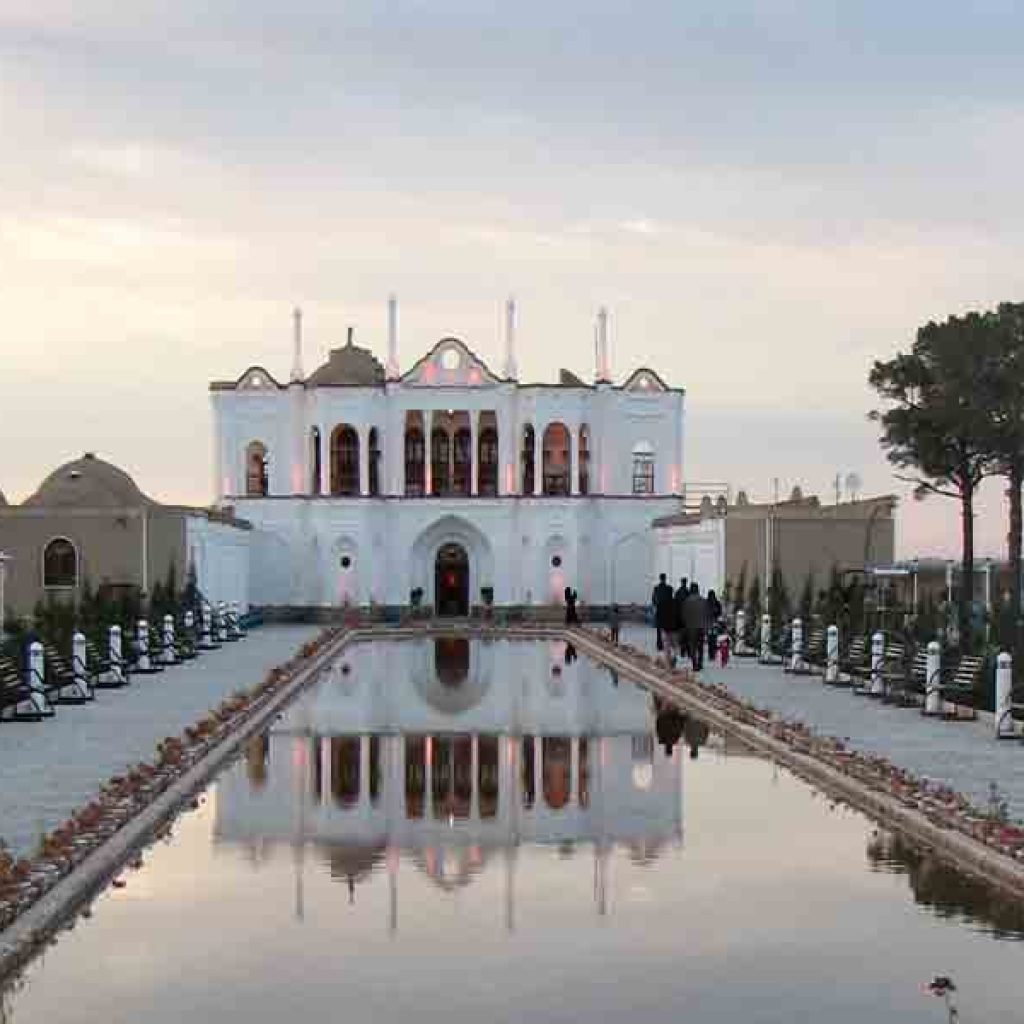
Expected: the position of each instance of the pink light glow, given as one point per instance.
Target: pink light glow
(429, 372)
(225, 485)
(298, 753)
(428, 750)
(474, 376)
(296, 479)
(675, 479)
(509, 478)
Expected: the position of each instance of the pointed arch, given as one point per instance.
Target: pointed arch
(257, 470)
(345, 460)
(555, 453)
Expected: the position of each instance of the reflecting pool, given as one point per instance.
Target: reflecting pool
(457, 830)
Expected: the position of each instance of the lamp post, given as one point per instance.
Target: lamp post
(4, 559)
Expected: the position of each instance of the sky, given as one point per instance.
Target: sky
(767, 195)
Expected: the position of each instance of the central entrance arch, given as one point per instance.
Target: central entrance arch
(451, 580)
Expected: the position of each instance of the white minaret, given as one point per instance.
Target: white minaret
(393, 371)
(603, 364)
(297, 374)
(511, 366)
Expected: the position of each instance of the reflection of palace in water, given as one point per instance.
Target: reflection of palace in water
(454, 749)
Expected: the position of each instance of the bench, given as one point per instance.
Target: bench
(63, 684)
(20, 701)
(851, 662)
(812, 655)
(958, 686)
(892, 672)
(107, 673)
(908, 689)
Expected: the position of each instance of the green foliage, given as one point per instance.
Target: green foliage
(806, 606)
(739, 594)
(754, 599)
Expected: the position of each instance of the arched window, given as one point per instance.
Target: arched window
(556, 459)
(584, 458)
(374, 469)
(257, 470)
(463, 463)
(345, 460)
(314, 462)
(527, 459)
(556, 766)
(440, 475)
(414, 464)
(643, 468)
(488, 456)
(60, 564)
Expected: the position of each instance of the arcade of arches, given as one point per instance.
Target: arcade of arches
(445, 775)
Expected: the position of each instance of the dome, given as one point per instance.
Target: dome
(90, 483)
(350, 366)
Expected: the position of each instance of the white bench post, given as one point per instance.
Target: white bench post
(832, 655)
(222, 623)
(79, 664)
(1004, 696)
(116, 673)
(933, 701)
(168, 655)
(877, 687)
(796, 660)
(741, 631)
(766, 639)
(37, 677)
(142, 642)
(207, 625)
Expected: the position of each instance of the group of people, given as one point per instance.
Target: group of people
(685, 621)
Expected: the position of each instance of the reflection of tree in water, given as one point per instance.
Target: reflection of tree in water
(672, 724)
(257, 754)
(944, 890)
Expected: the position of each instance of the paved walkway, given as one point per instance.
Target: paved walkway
(49, 768)
(962, 754)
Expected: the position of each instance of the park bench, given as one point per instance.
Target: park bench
(852, 662)
(892, 671)
(812, 656)
(62, 683)
(908, 689)
(20, 701)
(957, 685)
(107, 673)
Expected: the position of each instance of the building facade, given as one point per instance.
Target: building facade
(365, 484)
(88, 522)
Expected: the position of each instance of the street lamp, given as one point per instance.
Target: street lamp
(4, 559)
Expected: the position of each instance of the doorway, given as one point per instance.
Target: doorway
(451, 580)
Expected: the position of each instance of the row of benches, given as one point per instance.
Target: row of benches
(51, 677)
(901, 675)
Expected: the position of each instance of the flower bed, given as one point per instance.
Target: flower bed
(24, 880)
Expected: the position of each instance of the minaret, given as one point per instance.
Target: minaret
(603, 367)
(393, 371)
(297, 374)
(511, 366)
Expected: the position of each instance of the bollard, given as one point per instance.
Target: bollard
(190, 621)
(207, 626)
(116, 674)
(741, 632)
(1004, 697)
(877, 687)
(142, 642)
(168, 655)
(832, 655)
(80, 666)
(222, 623)
(766, 639)
(933, 698)
(37, 679)
(796, 661)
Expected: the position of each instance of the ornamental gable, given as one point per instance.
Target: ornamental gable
(452, 364)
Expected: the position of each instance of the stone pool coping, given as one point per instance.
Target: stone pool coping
(20, 941)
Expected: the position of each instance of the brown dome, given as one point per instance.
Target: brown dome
(350, 366)
(88, 482)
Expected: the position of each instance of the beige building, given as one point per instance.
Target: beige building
(800, 536)
(89, 520)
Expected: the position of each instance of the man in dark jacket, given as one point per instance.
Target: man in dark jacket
(681, 595)
(664, 611)
(695, 614)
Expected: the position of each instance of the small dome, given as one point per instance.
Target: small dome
(90, 483)
(350, 366)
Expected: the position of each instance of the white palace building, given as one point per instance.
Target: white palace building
(364, 483)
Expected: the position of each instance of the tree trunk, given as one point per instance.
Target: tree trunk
(966, 567)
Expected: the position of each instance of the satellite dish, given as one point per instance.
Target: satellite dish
(853, 484)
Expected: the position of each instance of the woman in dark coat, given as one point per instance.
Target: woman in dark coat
(571, 618)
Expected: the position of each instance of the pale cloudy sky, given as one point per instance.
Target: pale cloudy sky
(766, 193)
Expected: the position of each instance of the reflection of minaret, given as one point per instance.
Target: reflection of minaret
(600, 847)
(513, 801)
(299, 758)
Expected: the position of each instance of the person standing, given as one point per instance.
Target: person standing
(664, 611)
(695, 614)
(713, 624)
(571, 618)
(680, 597)
(614, 623)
